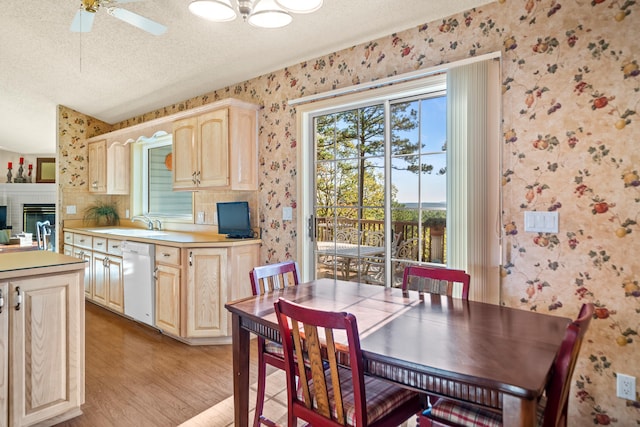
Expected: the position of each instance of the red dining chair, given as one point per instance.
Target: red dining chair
(264, 279)
(435, 280)
(552, 408)
(326, 393)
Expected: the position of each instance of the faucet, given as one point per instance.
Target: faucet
(143, 218)
(158, 224)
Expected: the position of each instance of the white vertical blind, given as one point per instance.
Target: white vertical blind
(473, 190)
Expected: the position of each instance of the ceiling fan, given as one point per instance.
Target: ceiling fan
(83, 19)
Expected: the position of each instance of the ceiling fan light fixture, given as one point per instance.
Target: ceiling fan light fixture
(213, 10)
(300, 6)
(267, 14)
(270, 19)
(90, 5)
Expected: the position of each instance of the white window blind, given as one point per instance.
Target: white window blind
(473, 194)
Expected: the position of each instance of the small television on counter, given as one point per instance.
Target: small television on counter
(233, 220)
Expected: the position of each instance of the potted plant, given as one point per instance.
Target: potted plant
(102, 213)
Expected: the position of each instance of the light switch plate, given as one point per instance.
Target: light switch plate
(287, 213)
(200, 218)
(71, 209)
(541, 222)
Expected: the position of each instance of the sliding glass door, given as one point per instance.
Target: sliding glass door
(380, 188)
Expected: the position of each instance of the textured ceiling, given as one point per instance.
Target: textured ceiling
(118, 71)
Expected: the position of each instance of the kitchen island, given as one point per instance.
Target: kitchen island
(195, 274)
(41, 338)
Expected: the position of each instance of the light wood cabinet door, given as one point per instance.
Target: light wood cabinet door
(118, 167)
(185, 153)
(46, 350)
(213, 149)
(243, 135)
(97, 158)
(100, 279)
(4, 354)
(168, 298)
(87, 256)
(109, 167)
(115, 280)
(206, 271)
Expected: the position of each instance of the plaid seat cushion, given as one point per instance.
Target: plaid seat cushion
(471, 416)
(274, 348)
(464, 415)
(381, 396)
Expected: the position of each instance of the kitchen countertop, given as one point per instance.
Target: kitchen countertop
(36, 262)
(167, 237)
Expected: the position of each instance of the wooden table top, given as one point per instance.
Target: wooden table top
(504, 349)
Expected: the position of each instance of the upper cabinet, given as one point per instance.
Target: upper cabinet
(109, 167)
(217, 149)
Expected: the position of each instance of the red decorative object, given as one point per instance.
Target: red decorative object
(10, 165)
(21, 160)
(30, 166)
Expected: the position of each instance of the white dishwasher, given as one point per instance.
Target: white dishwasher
(138, 261)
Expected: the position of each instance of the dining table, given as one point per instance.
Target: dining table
(347, 253)
(489, 355)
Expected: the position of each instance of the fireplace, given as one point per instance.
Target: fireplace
(38, 212)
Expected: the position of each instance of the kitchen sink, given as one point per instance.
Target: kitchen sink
(129, 232)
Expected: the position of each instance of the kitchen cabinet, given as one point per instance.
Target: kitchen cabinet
(4, 354)
(82, 248)
(103, 281)
(107, 274)
(206, 292)
(193, 282)
(217, 149)
(167, 276)
(108, 167)
(41, 348)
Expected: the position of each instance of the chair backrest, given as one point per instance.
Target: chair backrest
(309, 334)
(560, 383)
(434, 280)
(268, 277)
(348, 235)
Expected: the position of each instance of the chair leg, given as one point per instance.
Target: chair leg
(261, 384)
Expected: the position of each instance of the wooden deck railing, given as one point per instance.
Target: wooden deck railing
(432, 238)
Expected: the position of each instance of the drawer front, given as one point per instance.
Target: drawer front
(100, 244)
(68, 238)
(83, 241)
(168, 255)
(114, 247)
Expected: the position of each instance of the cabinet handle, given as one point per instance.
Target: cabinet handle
(193, 177)
(190, 258)
(155, 273)
(198, 178)
(18, 298)
(1, 301)
(166, 254)
(98, 243)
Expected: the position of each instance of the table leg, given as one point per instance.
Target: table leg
(518, 412)
(240, 347)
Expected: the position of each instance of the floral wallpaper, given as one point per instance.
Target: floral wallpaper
(571, 89)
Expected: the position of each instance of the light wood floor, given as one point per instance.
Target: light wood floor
(136, 376)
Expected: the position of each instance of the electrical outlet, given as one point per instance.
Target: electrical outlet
(626, 387)
(200, 218)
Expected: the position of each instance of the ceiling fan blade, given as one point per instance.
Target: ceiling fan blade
(82, 22)
(139, 21)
